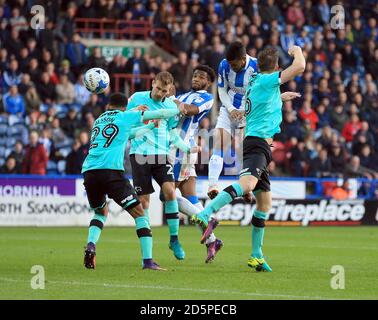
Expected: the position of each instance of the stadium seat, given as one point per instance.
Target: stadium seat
(3, 119)
(51, 165)
(3, 141)
(3, 129)
(11, 142)
(2, 152)
(12, 120)
(8, 151)
(61, 166)
(65, 151)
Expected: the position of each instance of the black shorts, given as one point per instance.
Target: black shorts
(99, 183)
(147, 167)
(256, 158)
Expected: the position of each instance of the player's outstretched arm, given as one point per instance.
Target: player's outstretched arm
(140, 131)
(159, 114)
(289, 95)
(176, 140)
(297, 67)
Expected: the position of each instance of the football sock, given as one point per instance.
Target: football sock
(171, 214)
(95, 227)
(224, 197)
(187, 207)
(258, 228)
(145, 236)
(215, 167)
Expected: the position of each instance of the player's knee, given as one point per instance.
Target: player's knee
(169, 194)
(103, 211)
(137, 211)
(264, 207)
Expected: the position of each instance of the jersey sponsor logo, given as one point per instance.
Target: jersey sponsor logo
(199, 100)
(259, 172)
(240, 90)
(128, 198)
(243, 171)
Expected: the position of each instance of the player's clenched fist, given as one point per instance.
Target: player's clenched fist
(293, 50)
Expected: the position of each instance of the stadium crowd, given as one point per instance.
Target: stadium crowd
(332, 130)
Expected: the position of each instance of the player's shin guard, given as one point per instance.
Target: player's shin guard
(258, 228)
(171, 214)
(95, 227)
(215, 167)
(226, 196)
(145, 236)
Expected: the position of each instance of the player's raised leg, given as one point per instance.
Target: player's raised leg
(171, 211)
(260, 214)
(191, 204)
(221, 143)
(245, 184)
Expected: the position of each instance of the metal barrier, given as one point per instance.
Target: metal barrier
(130, 80)
(124, 29)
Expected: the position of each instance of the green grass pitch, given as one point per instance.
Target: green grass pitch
(301, 259)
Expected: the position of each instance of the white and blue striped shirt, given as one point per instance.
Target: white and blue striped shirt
(236, 82)
(188, 126)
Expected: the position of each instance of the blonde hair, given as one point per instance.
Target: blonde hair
(164, 77)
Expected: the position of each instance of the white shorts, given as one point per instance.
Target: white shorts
(225, 122)
(187, 168)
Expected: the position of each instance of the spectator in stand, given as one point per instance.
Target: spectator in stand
(10, 166)
(36, 158)
(65, 68)
(73, 160)
(50, 69)
(300, 159)
(12, 76)
(46, 89)
(32, 100)
(18, 154)
(82, 95)
(339, 117)
(337, 158)
(70, 124)
(33, 70)
(270, 12)
(351, 127)
(14, 102)
(354, 170)
(58, 135)
(307, 113)
(295, 14)
(182, 73)
(14, 43)
(136, 66)
(321, 166)
(96, 59)
(66, 26)
(65, 91)
(366, 157)
(93, 106)
(75, 52)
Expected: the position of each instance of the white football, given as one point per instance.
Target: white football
(96, 80)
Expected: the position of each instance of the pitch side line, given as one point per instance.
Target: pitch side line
(115, 285)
